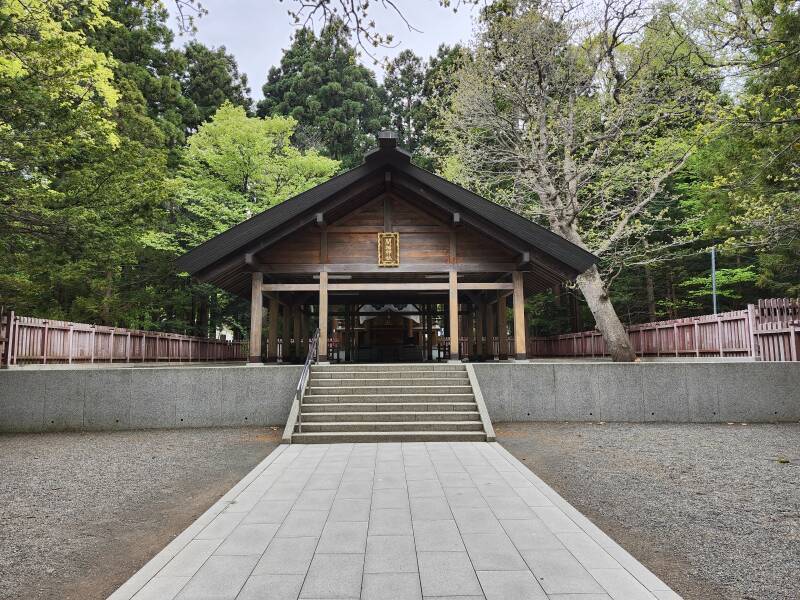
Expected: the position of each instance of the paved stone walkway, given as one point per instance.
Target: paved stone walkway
(406, 521)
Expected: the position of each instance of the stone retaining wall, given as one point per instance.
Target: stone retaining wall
(112, 398)
(639, 392)
(207, 396)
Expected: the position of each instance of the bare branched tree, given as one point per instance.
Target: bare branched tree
(577, 116)
(357, 15)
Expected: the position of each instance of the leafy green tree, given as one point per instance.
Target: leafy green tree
(212, 77)
(439, 86)
(57, 102)
(138, 37)
(234, 167)
(336, 101)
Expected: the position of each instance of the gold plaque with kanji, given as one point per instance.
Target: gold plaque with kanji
(389, 249)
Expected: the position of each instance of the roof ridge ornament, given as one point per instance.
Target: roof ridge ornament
(387, 138)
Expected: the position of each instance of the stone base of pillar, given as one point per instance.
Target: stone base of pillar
(322, 359)
(254, 361)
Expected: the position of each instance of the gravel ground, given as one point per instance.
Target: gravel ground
(82, 512)
(714, 510)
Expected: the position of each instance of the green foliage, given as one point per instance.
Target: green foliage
(336, 102)
(118, 150)
(211, 78)
(728, 283)
(236, 166)
(405, 76)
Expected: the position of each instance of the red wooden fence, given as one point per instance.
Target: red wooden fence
(768, 331)
(28, 340)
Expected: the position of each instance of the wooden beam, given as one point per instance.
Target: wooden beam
(323, 316)
(387, 213)
(479, 332)
(290, 287)
(453, 328)
(519, 317)
(256, 313)
(272, 346)
(485, 286)
(502, 326)
(388, 286)
(296, 330)
(313, 268)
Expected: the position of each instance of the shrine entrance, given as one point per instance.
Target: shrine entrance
(390, 263)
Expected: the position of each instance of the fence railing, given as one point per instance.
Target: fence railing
(767, 331)
(28, 340)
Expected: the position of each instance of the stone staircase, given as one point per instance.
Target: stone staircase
(389, 403)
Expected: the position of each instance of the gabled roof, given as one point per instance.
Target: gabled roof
(238, 239)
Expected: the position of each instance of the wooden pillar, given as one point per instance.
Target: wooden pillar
(453, 329)
(323, 316)
(470, 325)
(490, 332)
(479, 332)
(272, 340)
(256, 311)
(429, 332)
(296, 330)
(519, 317)
(347, 330)
(502, 326)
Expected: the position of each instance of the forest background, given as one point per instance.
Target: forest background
(665, 130)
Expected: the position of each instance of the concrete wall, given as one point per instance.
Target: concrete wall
(111, 398)
(672, 392)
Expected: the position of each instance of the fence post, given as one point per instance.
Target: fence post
(792, 343)
(696, 337)
(70, 335)
(91, 344)
(7, 359)
(44, 342)
(719, 336)
(111, 345)
(751, 324)
(675, 338)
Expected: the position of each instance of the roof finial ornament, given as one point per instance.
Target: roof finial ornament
(387, 138)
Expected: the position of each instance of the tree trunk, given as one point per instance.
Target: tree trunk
(651, 293)
(614, 334)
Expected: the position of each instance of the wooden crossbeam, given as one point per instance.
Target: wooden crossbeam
(383, 286)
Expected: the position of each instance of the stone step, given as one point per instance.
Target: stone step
(390, 426)
(399, 381)
(390, 367)
(315, 390)
(401, 415)
(388, 407)
(333, 398)
(347, 375)
(341, 437)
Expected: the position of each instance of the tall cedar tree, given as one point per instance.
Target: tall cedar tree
(336, 101)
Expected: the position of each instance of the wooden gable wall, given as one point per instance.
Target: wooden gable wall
(425, 238)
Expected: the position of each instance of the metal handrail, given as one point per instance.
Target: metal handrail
(301, 385)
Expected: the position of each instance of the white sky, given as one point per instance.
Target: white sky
(256, 31)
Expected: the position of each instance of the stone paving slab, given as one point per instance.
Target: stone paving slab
(426, 521)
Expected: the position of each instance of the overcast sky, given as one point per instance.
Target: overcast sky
(256, 31)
